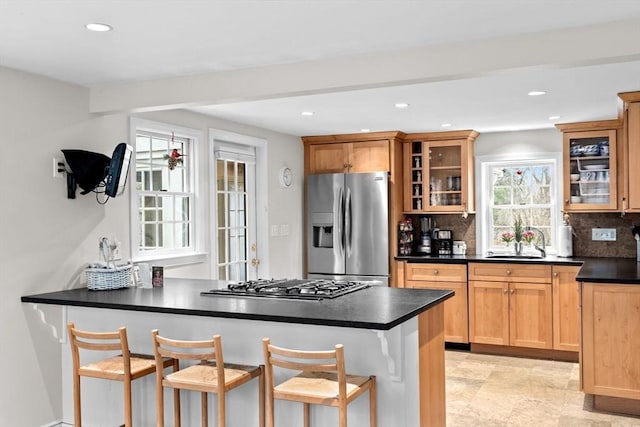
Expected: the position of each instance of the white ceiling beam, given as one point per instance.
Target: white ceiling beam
(582, 46)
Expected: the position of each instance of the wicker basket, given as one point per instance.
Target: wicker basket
(102, 279)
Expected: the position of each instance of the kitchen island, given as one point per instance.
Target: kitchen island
(395, 334)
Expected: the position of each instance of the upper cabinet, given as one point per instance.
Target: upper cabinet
(349, 157)
(590, 152)
(438, 172)
(630, 114)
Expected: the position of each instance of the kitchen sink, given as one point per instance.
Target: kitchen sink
(514, 256)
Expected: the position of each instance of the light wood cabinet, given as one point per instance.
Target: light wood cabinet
(590, 157)
(349, 157)
(488, 312)
(444, 276)
(510, 305)
(630, 115)
(438, 172)
(633, 156)
(610, 347)
(566, 328)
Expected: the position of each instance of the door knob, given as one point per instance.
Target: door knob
(255, 262)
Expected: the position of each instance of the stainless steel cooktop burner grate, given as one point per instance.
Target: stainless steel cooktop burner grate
(314, 289)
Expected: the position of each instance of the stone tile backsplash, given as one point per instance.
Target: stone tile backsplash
(623, 247)
(582, 223)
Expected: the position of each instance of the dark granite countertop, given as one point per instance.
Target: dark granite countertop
(610, 270)
(465, 259)
(375, 307)
(601, 270)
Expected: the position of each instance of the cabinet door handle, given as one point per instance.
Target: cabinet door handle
(511, 291)
(508, 272)
(435, 272)
(555, 274)
(504, 291)
(346, 165)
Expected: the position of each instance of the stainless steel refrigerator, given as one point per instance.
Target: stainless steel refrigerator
(348, 226)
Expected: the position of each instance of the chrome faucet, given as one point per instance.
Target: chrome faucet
(543, 250)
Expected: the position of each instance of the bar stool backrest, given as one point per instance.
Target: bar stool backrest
(306, 361)
(99, 341)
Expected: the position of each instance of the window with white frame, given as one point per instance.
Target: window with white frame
(513, 190)
(163, 197)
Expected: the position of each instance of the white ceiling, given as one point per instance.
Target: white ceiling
(162, 39)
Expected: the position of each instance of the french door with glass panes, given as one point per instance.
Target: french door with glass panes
(236, 216)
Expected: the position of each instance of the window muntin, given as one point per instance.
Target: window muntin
(164, 196)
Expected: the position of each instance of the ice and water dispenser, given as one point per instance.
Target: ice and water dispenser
(322, 223)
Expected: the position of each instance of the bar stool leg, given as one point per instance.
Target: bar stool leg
(205, 410)
(222, 408)
(127, 404)
(159, 402)
(373, 409)
(261, 396)
(343, 415)
(77, 417)
(176, 407)
(307, 418)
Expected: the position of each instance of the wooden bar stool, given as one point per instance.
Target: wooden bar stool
(124, 367)
(321, 382)
(210, 375)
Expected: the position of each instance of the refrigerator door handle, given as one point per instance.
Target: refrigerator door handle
(347, 220)
(339, 214)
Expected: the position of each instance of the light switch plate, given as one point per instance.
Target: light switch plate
(275, 230)
(603, 234)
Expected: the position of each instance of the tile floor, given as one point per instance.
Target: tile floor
(500, 391)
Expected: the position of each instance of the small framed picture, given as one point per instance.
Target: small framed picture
(157, 276)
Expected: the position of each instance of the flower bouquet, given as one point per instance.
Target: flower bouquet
(507, 237)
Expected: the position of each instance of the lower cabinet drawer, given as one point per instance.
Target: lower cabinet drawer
(504, 272)
(436, 272)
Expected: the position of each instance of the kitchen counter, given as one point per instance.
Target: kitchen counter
(375, 307)
(395, 334)
(464, 259)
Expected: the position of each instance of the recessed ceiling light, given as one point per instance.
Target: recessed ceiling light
(401, 105)
(554, 117)
(537, 93)
(446, 125)
(98, 27)
(307, 113)
(365, 130)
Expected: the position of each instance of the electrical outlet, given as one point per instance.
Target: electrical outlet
(58, 167)
(275, 231)
(284, 229)
(603, 234)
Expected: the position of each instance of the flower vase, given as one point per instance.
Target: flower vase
(518, 248)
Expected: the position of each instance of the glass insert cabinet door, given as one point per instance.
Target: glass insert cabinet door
(438, 176)
(590, 171)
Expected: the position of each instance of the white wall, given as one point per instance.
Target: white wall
(531, 141)
(48, 239)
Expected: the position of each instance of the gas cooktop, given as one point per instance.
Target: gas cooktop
(310, 289)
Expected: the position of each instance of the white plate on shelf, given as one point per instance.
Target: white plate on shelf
(595, 167)
(595, 199)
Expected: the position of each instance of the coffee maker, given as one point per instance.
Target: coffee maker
(424, 244)
(441, 242)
